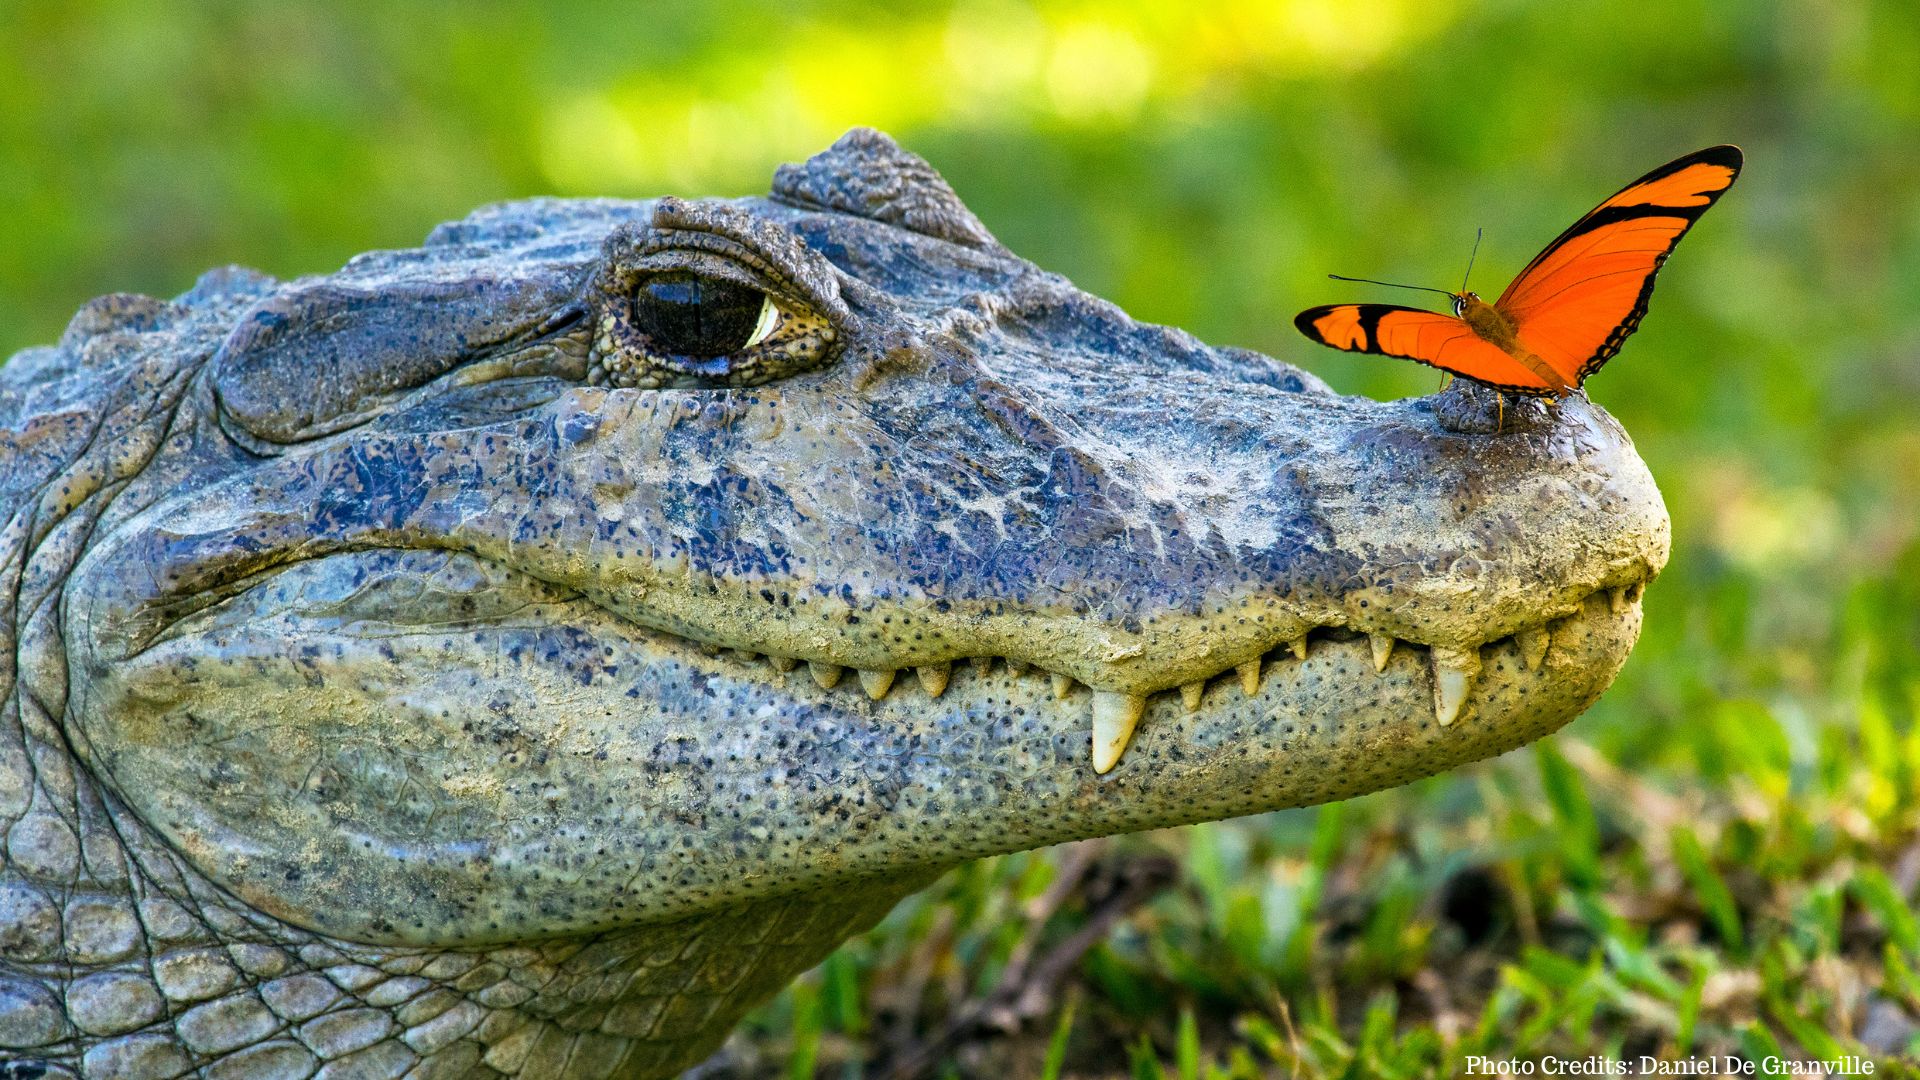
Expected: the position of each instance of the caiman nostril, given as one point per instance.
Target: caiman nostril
(1468, 408)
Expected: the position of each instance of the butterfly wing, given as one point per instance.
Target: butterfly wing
(1578, 300)
(1433, 339)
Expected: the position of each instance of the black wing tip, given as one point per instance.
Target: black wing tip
(1304, 321)
(1725, 155)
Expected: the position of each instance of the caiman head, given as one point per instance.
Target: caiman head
(605, 566)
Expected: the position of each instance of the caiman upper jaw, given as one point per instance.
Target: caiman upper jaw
(1400, 529)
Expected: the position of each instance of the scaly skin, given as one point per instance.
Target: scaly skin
(402, 668)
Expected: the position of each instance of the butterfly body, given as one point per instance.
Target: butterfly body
(1486, 320)
(1569, 311)
(1493, 327)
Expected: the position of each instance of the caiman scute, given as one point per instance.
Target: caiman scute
(519, 655)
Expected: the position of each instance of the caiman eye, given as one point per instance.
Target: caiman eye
(702, 319)
(707, 309)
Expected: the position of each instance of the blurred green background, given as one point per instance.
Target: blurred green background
(1719, 857)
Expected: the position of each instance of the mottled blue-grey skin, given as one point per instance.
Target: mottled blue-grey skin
(402, 665)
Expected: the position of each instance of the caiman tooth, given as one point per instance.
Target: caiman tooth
(1062, 686)
(1017, 667)
(1190, 694)
(876, 683)
(1115, 715)
(1533, 643)
(1382, 650)
(983, 666)
(783, 664)
(1298, 646)
(827, 675)
(933, 678)
(1453, 672)
(1249, 676)
(1617, 599)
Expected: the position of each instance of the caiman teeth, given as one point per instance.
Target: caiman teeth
(934, 677)
(1453, 672)
(827, 675)
(876, 683)
(1382, 650)
(1190, 694)
(1533, 643)
(1115, 715)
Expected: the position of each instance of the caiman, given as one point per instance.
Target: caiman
(522, 654)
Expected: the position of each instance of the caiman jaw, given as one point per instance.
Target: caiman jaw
(1116, 714)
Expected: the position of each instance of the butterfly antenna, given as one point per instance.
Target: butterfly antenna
(1388, 284)
(1477, 234)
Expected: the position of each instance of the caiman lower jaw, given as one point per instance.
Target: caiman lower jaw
(486, 730)
(1116, 715)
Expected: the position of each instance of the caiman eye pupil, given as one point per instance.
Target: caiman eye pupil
(689, 315)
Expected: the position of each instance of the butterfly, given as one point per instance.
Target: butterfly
(1568, 312)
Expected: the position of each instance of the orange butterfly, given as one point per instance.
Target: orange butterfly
(1568, 312)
